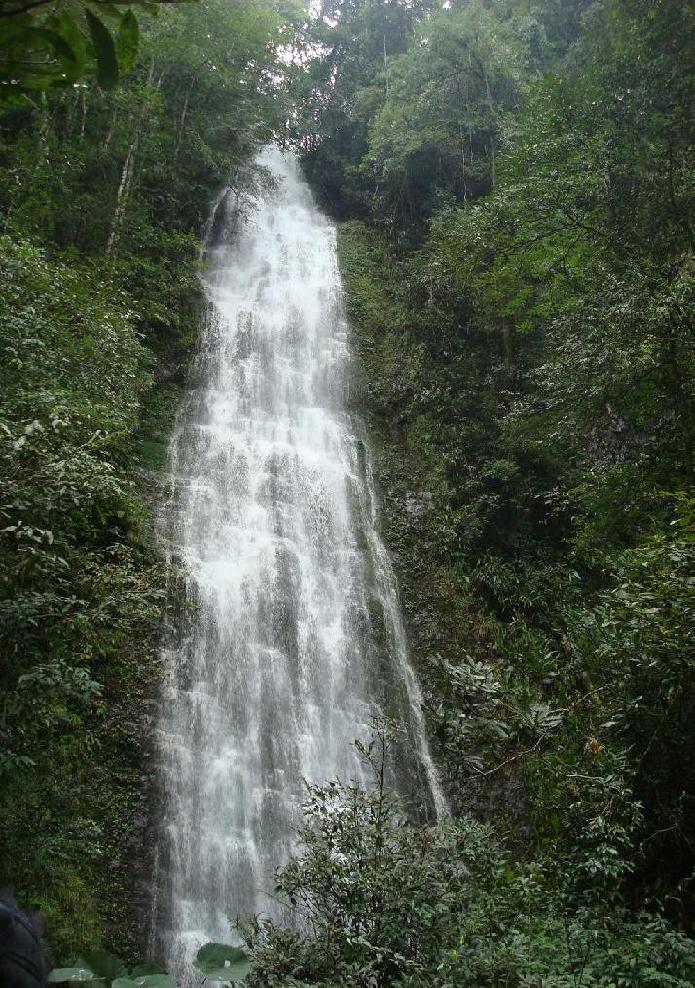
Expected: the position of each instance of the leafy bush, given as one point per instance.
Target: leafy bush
(374, 900)
(217, 962)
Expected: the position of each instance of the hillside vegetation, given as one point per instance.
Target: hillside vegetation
(104, 192)
(513, 184)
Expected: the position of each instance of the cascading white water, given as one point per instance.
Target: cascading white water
(296, 639)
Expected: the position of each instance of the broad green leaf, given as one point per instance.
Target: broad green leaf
(110, 11)
(23, 32)
(105, 51)
(156, 979)
(69, 30)
(70, 975)
(146, 969)
(220, 962)
(61, 47)
(128, 38)
(72, 68)
(14, 27)
(103, 964)
(37, 82)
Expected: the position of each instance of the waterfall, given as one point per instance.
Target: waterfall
(294, 638)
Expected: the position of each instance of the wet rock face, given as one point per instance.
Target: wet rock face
(129, 839)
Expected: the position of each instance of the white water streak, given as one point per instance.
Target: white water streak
(297, 639)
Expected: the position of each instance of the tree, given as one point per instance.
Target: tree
(51, 44)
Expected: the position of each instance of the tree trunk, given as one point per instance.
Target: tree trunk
(111, 130)
(42, 158)
(128, 169)
(508, 346)
(182, 121)
(83, 120)
(122, 196)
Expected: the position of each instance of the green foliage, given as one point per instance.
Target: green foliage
(216, 961)
(340, 85)
(387, 903)
(518, 264)
(101, 969)
(56, 46)
(443, 114)
(528, 363)
(94, 355)
(105, 49)
(637, 644)
(220, 962)
(77, 584)
(133, 171)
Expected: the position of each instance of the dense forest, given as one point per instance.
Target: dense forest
(105, 191)
(512, 183)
